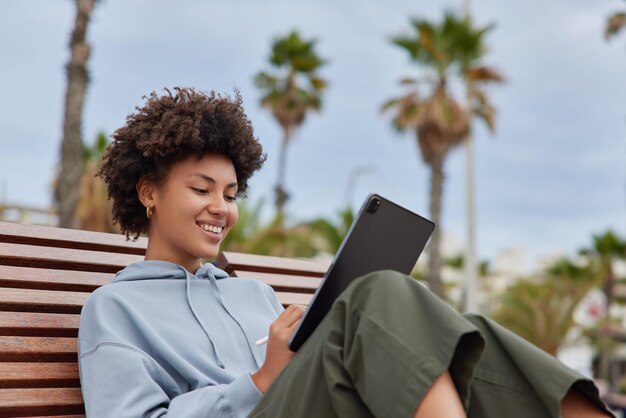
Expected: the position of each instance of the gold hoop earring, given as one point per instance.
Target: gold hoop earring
(149, 211)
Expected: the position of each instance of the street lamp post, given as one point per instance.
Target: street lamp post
(471, 268)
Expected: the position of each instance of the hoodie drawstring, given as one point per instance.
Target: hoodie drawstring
(220, 363)
(251, 344)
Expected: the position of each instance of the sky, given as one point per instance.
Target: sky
(552, 175)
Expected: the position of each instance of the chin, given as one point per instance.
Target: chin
(210, 253)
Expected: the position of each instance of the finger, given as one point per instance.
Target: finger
(296, 320)
(285, 319)
(294, 314)
(290, 314)
(291, 328)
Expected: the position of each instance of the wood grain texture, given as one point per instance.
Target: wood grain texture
(40, 401)
(31, 375)
(48, 236)
(230, 261)
(46, 349)
(31, 300)
(64, 258)
(50, 279)
(39, 324)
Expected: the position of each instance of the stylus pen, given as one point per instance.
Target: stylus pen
(262, 341)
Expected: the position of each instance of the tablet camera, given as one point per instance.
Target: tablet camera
(373, 206)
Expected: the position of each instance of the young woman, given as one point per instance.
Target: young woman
(171, 336)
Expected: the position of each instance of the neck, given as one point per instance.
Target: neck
(191, 265)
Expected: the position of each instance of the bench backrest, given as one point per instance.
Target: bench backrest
(46, 274)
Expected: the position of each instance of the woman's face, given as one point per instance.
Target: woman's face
(193, 210)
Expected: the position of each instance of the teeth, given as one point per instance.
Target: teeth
(216, 229)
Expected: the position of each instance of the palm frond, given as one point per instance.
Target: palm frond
(614, 24)
(399, 101)
(409, 44)
(408, 81)
(484, 74)
(265, 81)
(318, 83)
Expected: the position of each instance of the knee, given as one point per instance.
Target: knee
(385, 284)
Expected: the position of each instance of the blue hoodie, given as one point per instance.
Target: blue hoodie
(162, 342)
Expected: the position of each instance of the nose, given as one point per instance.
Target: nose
(217, 206)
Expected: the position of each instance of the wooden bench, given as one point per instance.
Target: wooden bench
(47, 273)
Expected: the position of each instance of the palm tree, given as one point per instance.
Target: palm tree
(327, 235)
(93, 211)
(289, 100)
(445, 50)
(606, 249)
(614, 24)
(66, 192)
(541, 309)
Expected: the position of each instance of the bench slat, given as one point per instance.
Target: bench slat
(64, 258)
(33, 402)
(70, 238)
(29, 375)
(293, 298)
(39, 324)
(282, 282)
(230, 261)
(61, 416)
(40, 278)
(31, 300)
(18, 349)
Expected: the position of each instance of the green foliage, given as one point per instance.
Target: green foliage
(96, 150)
(303, 239)
(605, 249)
(289, 100)
(540, 309)
(295, 53)
(452, 45)
(327, 235)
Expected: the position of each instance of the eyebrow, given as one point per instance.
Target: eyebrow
(212, 180)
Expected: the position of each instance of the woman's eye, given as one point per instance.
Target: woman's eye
(230, 198)
(199, 191)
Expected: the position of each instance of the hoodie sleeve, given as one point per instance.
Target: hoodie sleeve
(121, 381)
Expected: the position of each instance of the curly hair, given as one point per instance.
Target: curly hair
(168, 129)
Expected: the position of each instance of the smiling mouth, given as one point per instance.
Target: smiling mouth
(211, 228)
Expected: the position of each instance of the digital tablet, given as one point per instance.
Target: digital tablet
(384, 236)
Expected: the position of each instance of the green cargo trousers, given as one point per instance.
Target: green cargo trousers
(387, 339)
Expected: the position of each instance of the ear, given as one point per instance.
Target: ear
(146, 192)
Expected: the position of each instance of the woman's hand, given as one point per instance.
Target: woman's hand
(278, 353)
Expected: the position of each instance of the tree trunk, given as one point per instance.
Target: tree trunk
(72, 148)
(605, 353)
(609, 283)
(281, 193)
(434, 251)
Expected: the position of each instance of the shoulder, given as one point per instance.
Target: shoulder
(252, 290)
(102, 298)
(247, 284)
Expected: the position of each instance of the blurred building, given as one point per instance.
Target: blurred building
(27, 215)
